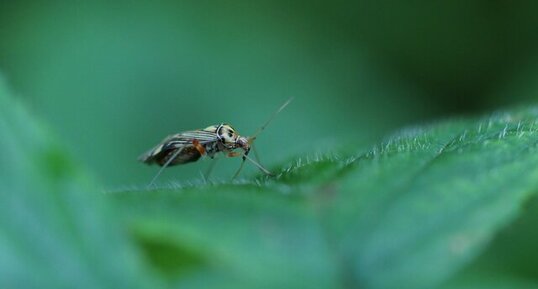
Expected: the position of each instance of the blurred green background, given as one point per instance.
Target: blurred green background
(115, 77)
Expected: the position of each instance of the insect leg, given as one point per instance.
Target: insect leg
(236, 154)
(240, 168)
(233, 154)
(264, 170)
(246, 157)
(256, 155)
(176, 153)
(210, 168)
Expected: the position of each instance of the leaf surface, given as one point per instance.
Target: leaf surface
(56, 229)
(408, 213)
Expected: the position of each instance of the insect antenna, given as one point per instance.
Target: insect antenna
(176, 153)
(253, 137)
(251, 142)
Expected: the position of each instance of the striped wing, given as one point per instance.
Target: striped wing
(163, 151)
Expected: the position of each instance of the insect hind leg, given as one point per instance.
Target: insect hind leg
(176, 153)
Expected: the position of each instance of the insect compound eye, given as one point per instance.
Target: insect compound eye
(229, 138)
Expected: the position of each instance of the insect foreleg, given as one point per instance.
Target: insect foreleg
(256, 155)
(240, 168)
(264, 170)
(176, 153)
(246, 157)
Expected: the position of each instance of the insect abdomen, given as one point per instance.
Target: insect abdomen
(187, 155)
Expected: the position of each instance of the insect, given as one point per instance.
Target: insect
(190, 146)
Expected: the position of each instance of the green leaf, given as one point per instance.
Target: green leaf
(240, 234)
(510, 260)
(421, 206)
(409, 213)
(489, 280)
(56, 230)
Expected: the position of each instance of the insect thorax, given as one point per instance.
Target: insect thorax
(212, 148)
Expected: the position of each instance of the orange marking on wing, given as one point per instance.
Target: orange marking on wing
(200, 148)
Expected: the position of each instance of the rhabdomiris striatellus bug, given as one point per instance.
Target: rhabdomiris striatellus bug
(190, 146)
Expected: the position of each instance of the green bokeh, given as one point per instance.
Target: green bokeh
(113, 79)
